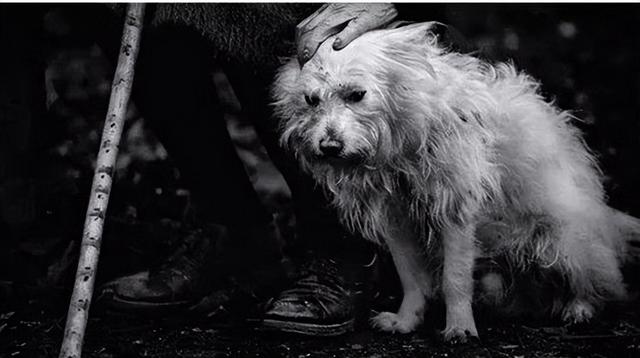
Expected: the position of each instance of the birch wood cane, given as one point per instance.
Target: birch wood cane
(102, 179)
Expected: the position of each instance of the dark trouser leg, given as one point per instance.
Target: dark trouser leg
(317, 223)
(175, 92)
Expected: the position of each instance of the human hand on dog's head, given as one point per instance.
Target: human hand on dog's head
(348, 21)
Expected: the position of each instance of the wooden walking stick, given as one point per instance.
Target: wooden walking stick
(101, 187)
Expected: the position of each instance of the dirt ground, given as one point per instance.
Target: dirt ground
(37, 332)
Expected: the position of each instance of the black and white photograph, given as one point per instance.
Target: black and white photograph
(308, 179)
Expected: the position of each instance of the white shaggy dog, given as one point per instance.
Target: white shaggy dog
(440, 156)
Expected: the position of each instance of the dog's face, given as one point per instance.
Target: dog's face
(343, 109)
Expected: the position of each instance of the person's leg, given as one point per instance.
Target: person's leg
(314, 217)
(175, 93)
(174, 90)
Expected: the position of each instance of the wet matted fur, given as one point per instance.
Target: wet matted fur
(445, 158)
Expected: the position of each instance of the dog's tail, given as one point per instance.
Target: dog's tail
(628, 230)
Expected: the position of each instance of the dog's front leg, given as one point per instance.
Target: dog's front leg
(457, 282)
(416, 283)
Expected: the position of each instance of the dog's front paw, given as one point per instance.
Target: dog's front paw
(459, 335)
(393, 322)
(577, 311)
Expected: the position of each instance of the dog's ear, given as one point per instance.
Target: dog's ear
(284, 89)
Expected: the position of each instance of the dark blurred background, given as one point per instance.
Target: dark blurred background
(587, 57)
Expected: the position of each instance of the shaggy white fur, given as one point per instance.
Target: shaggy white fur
(444, 157)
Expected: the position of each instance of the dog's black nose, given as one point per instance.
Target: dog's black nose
(331, 147)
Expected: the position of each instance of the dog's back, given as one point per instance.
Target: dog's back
(550, 205)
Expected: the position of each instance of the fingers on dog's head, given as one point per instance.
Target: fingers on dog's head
(382, 15)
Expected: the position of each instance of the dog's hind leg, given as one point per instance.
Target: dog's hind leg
(416, 283)
(591, 266)
(457, 282)
(583, 243)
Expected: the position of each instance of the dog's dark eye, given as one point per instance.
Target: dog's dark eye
(312, 100)
(355, 96)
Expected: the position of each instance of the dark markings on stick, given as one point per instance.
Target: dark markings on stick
(132, 21)
(92, 243)
(82, 304)
(106, 169)
(102, 189)
(97, 214)
(126, 49)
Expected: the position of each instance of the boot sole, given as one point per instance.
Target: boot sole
(310, 329)
(112, 301)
